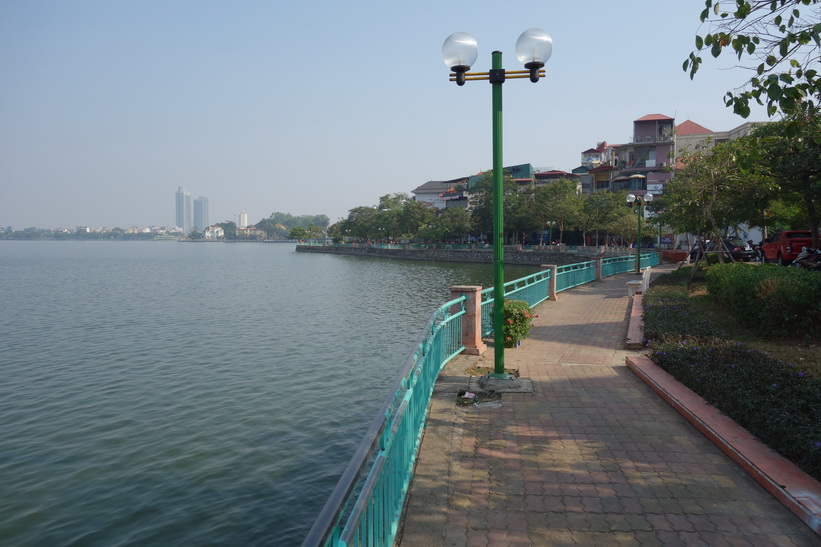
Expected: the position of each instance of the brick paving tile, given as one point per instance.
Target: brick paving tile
(591, 457)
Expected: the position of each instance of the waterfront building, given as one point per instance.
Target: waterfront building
(183, 209)
(243, 219)
(214, 232)
(200, 213)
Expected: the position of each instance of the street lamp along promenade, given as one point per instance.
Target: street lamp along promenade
(533, 49)
(640, 201)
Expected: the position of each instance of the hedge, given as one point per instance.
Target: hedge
(770, 398)
(773, 300)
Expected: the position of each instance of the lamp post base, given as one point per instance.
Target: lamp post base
(505, 383)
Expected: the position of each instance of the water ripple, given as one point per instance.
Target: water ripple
(192, 394)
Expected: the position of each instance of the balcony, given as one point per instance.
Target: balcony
(652, 139)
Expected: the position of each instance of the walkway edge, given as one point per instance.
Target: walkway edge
(799, 492)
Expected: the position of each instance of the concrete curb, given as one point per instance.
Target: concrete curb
(635, 328)
(796, 490)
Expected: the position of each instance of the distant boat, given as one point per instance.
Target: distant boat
(166, 238)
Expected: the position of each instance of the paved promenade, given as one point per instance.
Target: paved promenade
(591, 457)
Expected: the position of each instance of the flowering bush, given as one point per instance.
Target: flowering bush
(518, 320)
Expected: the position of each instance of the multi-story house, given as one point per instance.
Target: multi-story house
(438, 193)
(644, 163)
(690, 135)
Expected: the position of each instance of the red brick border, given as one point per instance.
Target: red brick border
(799, 492)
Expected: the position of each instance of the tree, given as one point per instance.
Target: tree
(298, 233)
(599, 211)
(454, 223)
(481, 202)
(411, 217)
(781, 37)
(361, 222)
(560, 203)
(788, 151)
(229, 228)
(712, 192)
(625, 224)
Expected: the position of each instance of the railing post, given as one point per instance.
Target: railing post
(472, 320)
(551, 284)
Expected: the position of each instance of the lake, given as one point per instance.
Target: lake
(194, 393)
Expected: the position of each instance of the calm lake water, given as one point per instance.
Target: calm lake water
(191, 394)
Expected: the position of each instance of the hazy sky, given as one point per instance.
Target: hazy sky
(106, 108)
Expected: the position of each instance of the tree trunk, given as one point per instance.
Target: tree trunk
(811, 214)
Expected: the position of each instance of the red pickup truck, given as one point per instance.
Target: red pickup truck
(784, 246)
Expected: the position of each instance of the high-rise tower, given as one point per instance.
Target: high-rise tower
(183, 210)
(243, 219)
(200, 213)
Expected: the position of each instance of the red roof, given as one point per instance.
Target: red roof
(600, 148)
(653, 117)
(691, 128)
(601, 168)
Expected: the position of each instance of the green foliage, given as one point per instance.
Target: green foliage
(279, 225)
(776, 403)
(713, 191)
(779, 38)
(481, 202)
(518, 320)
(787, 151)
(298, 233)
(769, 398)
(670, 315)
(776, 301)
(229, 229)
(561, 204)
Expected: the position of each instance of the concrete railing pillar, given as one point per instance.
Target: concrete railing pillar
(551, 284)
(599, 264)
(472, 320)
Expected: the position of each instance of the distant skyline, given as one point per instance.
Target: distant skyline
(314, 108)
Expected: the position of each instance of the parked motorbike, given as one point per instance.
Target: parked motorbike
(809, 259)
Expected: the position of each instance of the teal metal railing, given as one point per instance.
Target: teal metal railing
(574, 275)
(366, 505)
(533, 289)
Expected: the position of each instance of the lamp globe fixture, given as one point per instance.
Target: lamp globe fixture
(459, 52)
(533, 48)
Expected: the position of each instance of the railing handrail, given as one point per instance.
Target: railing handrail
(352, 475)
(325, 527)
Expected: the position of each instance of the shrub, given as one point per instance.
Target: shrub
(776, 403)
(670, 315)
(518, 320)
(776, 301)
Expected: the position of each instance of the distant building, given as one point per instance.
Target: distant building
(690, 135)
(200, 213)
(438, 192)
(543, 178)
(214, 232)
(644, 164)
(243, 219)
(251, 232)
(183, 209)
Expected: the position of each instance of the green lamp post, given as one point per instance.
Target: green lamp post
(640, 201)
(533, 49)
